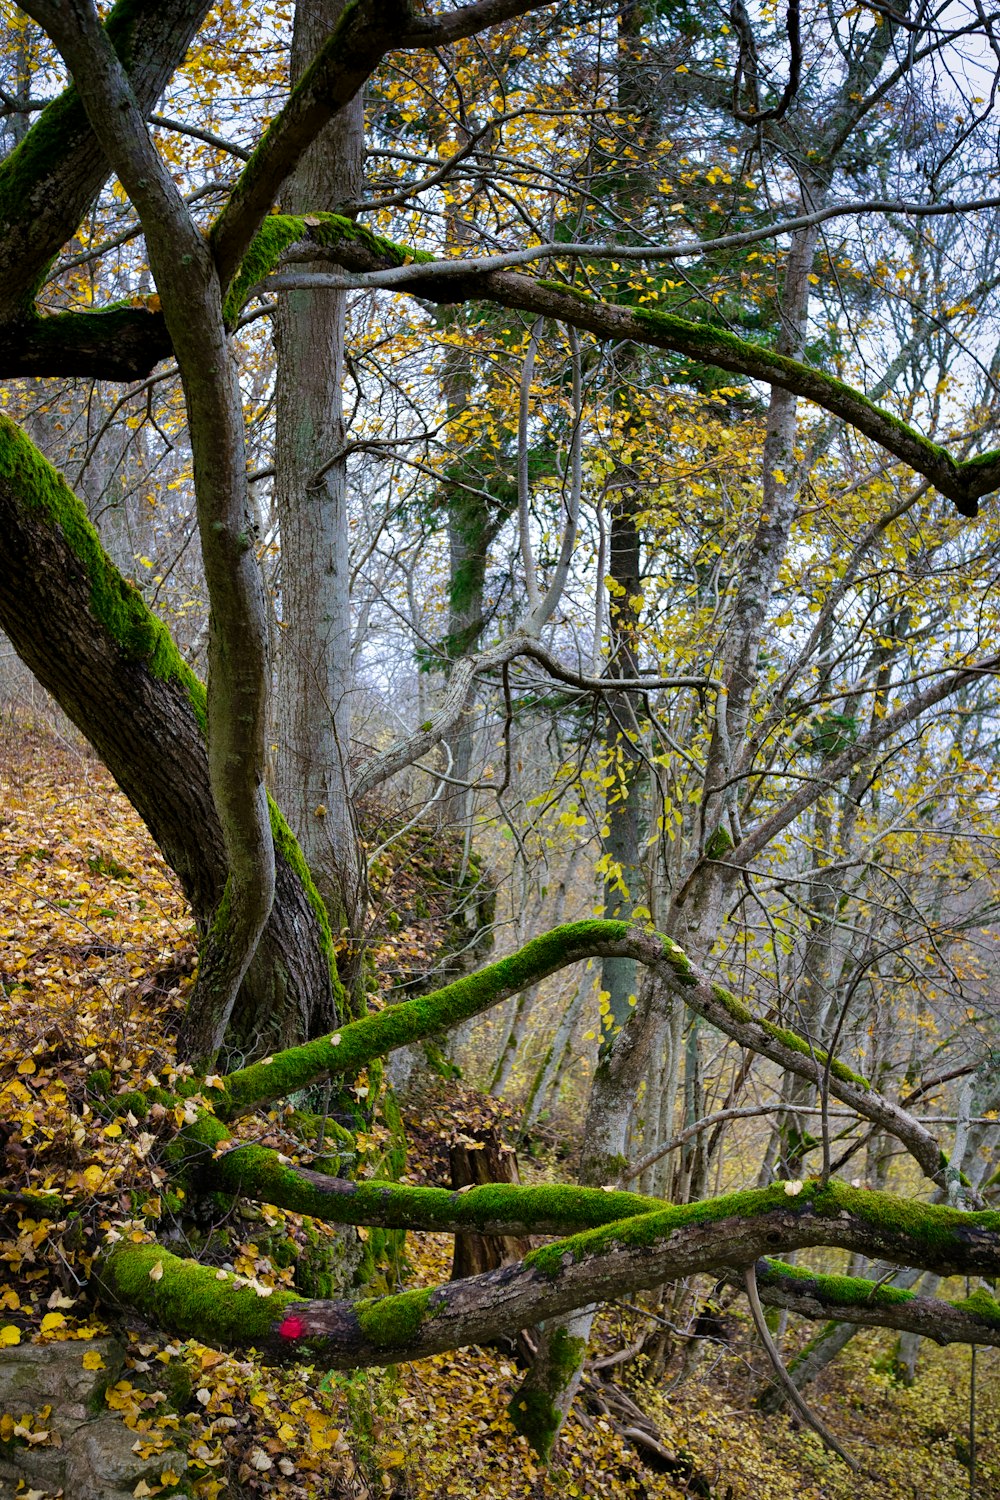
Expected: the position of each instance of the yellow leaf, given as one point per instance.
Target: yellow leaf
(52, 1321)
(9, 1334)
(93, 1361)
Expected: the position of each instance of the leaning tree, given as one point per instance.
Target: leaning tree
(193, 761)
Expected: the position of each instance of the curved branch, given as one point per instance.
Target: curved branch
(871, 1304)
(386, 763)
(356, 1045)
(784, 1379)
(964, 483)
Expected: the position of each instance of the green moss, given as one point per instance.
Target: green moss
(99, 1082)
(257, 1172)
(115, 603)
(737, 1008)
(279, 231)
(841, 1291)
(394, 1322)
(719, 845)
(287, 846)
(567, 290)
(534, 1415)
(856, 1291)
(355, 1045)
(190, 1300)
(796, 1043)
(981, 1305)
(134, 1102)
(536, 1411)
(565, 1354)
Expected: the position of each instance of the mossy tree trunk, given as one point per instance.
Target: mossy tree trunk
(110, 664)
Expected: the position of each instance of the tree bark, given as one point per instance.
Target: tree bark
(312, 709)
(89, 638)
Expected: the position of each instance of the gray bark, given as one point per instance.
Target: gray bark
(312, 709)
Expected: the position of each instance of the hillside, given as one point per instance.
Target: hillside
(96, 956)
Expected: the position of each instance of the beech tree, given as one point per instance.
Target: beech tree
(193, 760)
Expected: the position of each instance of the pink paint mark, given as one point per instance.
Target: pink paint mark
(292, 1328)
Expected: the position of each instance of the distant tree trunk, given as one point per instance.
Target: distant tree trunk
(312, 709)
(110, 664)
(623, 798)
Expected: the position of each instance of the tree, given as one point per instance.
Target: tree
(194, 764)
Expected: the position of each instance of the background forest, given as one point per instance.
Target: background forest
(555, 434)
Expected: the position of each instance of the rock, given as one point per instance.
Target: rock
(90, 1453)
(102, 1464)
(37, 1375)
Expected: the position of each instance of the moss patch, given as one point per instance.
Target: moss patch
(286, 844)
(537, 1409)
(191, 1300)
(394, 1322)
(279, 231)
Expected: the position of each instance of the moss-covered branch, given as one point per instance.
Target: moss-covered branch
(356, 1045)
(963, 482)
(633, 1254)
(851, 1299)
(353, 1046)
(502, 1208)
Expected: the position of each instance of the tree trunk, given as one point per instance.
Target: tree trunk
(485, 1161)
(89, 638)
(312, 717)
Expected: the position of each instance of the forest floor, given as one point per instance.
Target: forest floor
(96, 957)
